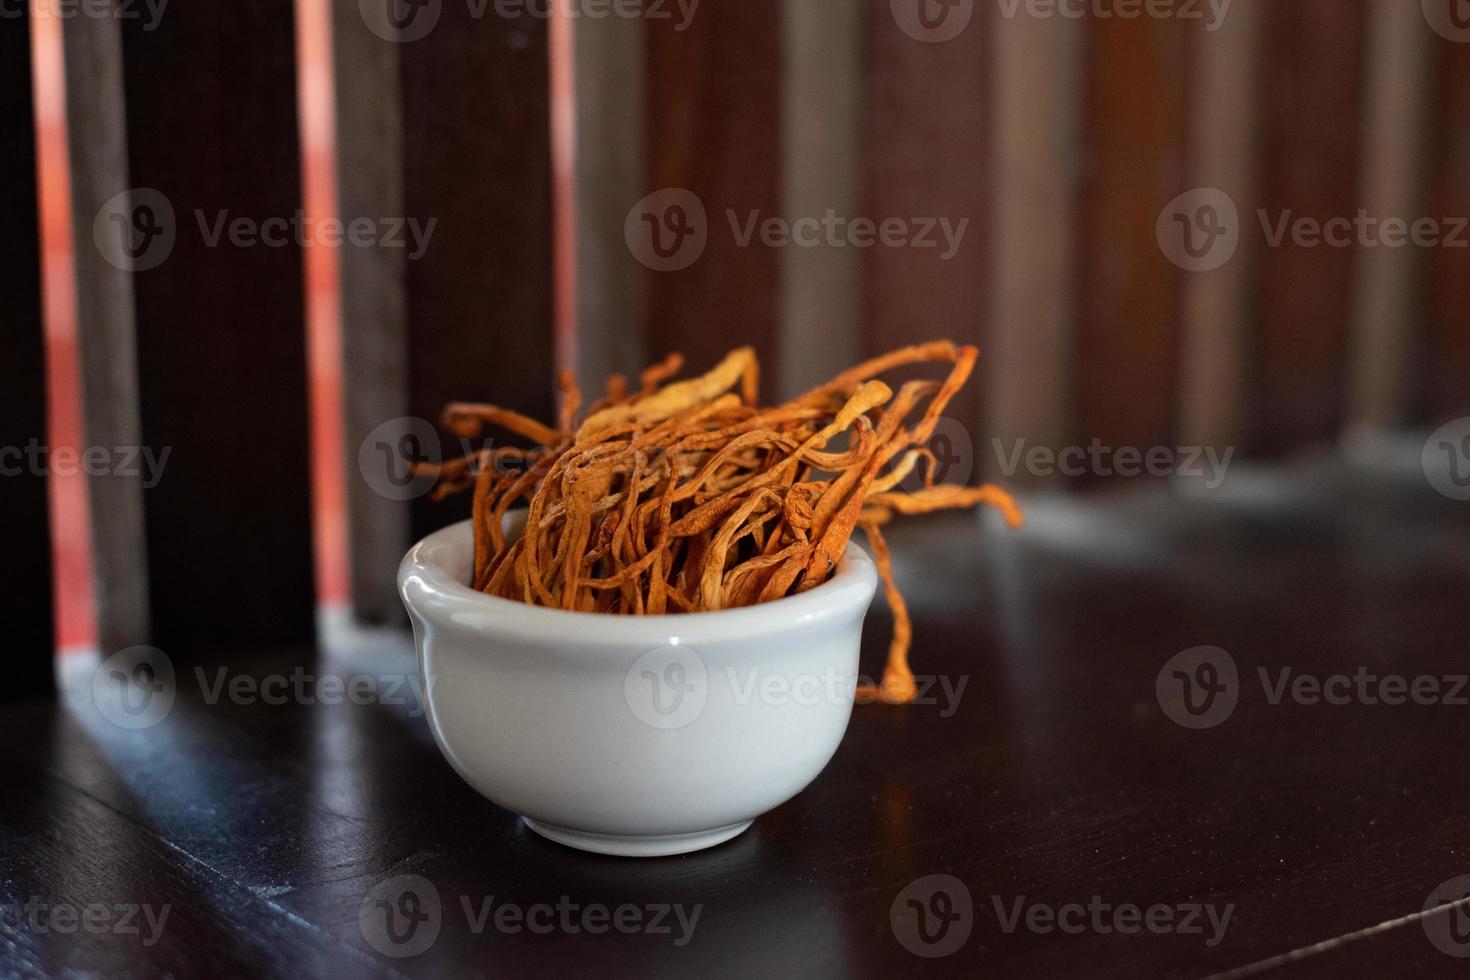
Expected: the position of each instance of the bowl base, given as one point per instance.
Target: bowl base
(634, 846)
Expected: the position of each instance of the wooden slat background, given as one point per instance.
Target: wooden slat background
(476, 157)
(1136, 112)
(608, 175)
(1310, 97)
(926, 157)
(824, 68)
(25, 581)
(449, 128)
(713, 109)
(211, 123)
(1218, 310)
(107, 338)
(1032, 317)
(374, 289)
(1394, 136)
(1443, 365)
(1058, 139)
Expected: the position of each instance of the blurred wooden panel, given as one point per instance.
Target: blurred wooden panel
(1310, 92)
(106, 339)
(1218, 307)
(443, 126)
(26, 578)
(1444, 361)
(476, 161)
(374, 289)
(824, 45)
(1136, 132)
(608, 172)
(1027, 370)
(1397, 120)
(713, 128)
(211, 116)
(929, 159)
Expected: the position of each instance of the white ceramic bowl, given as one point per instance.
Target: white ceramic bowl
(633, 735)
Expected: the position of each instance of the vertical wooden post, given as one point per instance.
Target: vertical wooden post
(608, 157)
(928, 158)
(1223, 153)
(1128, 338)
(1443, 360)
(374, 285)
(25, 579)
(477, 163)
(106, 337)
(215, 252)
(822, 141)
(443, 126)
(714, 119)
(1033, 307)
(1310, 94)
(1393, 157)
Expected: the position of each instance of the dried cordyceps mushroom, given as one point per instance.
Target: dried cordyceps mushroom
(684, 496)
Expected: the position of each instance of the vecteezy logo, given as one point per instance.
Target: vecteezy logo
(134, 688)
(135, 230)
(932, 21)
(386, 457)
(952, 457)
(1450, 19)
(1446, 459)
(1447, 917)
(667, 687)
(401, 917)
(667, 230)
(933, 916)
(1199, 230)
(1199, 687)
(400, 21)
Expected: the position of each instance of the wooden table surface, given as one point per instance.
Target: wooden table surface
(1083, 832)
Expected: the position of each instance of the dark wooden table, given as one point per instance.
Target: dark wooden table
(1056, 780)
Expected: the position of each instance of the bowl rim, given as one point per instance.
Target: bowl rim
(424, 581)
